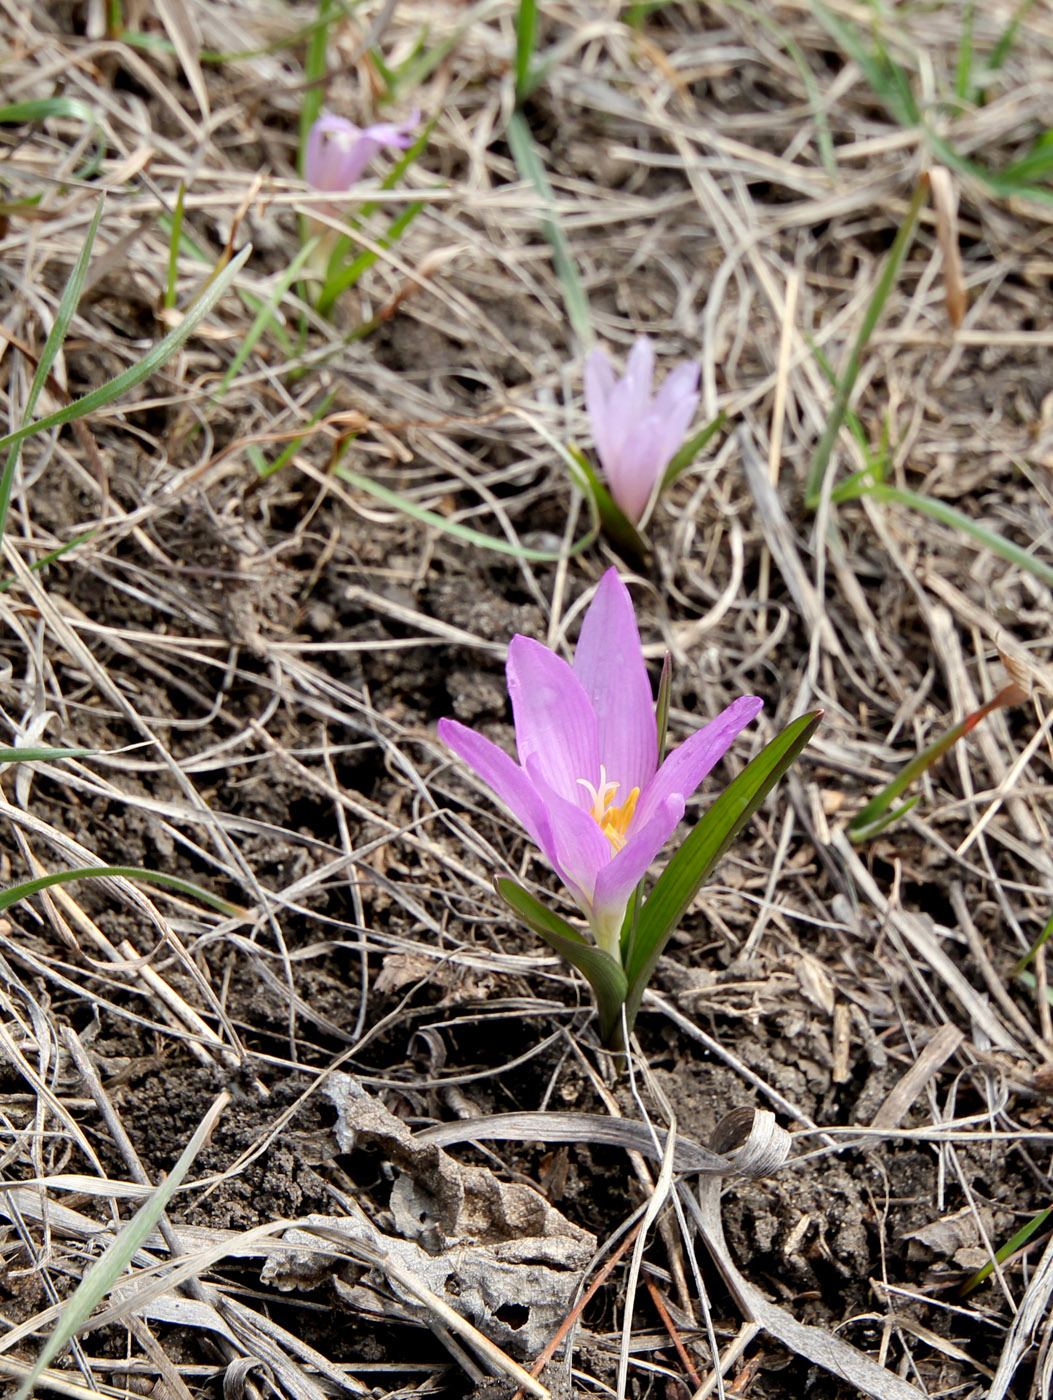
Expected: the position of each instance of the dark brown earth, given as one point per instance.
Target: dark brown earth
(259, 662)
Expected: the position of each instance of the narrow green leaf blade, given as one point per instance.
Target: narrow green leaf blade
(691, 449)
(56, 337)
(451, 527)
(603, 974)
(526, 33)
(64, 877)
(1010, 1247)
(528, 162)
(104, 1273)
(153, 359)
(858, 834)
(41, 755)
(716, 830)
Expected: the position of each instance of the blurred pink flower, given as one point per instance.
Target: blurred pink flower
(338, 151)
(637, 434)
(587, 788)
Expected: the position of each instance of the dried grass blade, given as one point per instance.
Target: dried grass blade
(106, 393)
(106, 1270)
(56, 336)
(846, 383)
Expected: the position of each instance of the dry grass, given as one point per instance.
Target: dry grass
(262, 659)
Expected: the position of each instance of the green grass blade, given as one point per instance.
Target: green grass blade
(153, 360)
(1036, 165)
(50, 557)
(886, 282)
(450, 527)
(338, 282)
(529, 165)
(857, 834)
(949, 515)
(314, 71)
(266, 316)
(963, 77)
(265, 468)
(175, 236)
(37, 109)
(1007, 38)
(107, 1270)
(875, 816)
(41, 755)
(56, 337)
(26, 888)
(1011, 1246)
(887, 79)
(1043, 938)
(600, 970)
(689, 867)
(526, 37)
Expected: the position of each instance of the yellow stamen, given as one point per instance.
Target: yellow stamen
(612, 821)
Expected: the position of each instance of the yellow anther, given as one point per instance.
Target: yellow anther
(612, 821)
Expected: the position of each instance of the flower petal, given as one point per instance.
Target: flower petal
(501, 773)
(618, 879)
(679, 386)
(556, 729)
(685, 768)
(338, 151)
(398, 134)
(599, 386)
(639, 461)
(639, 372)
(610, 666)
(579, 849)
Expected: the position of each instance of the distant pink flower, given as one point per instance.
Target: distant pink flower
(637, 435)
(338, 151)
(587, 787)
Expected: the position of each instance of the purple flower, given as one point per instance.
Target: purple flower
(637, 435)
(338, 151)
(587, 787)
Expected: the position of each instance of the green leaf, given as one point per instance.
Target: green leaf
(1011, 1246)
(526, 34)
(847, 382)
(104, 1273)
(266, 316)
(865, 831)
(683, 877)
(950, 515)
(314, 71)
(1043, 938)
(106, 393)
(601, 971)
(1036, 165)
(23, 890)
(41, 755)
(451, 527)
(52, 346)
(175, 238)
(339, 277)
(691, 449)
(530, 167)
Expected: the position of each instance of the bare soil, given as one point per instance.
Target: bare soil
(258, 661)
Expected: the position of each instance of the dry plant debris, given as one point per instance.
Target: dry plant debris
(245, 584)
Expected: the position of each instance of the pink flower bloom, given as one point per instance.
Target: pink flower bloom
(637, 435)
(587, 787)
(338, 151)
